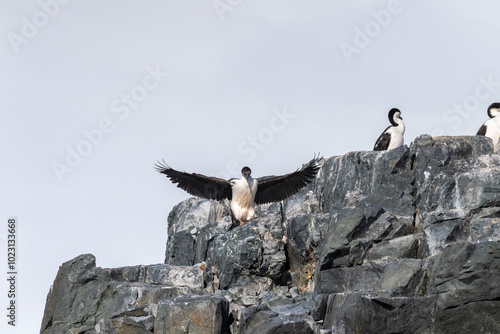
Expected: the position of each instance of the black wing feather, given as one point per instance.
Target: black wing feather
(197, 184)
(481, 131)
(277, 188)
(383, 141)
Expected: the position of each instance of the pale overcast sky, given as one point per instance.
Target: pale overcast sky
(93, 93)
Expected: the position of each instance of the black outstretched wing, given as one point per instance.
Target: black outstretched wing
(383, 141)
(277, 188)
(197, 184)
(481, 131)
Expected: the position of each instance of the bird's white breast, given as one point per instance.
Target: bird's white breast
(397, 135)
(244, 191)
(493, 131)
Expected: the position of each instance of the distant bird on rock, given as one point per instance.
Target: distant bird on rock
(392, 137)
(491, 128)
(246, 191)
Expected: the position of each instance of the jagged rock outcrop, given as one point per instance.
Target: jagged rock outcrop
(88, 299)
(405, 241)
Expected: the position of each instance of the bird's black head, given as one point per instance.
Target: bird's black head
(246, 172)
(394, 113)
(494, 109)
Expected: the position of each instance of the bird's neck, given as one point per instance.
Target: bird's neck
(248, 179)
(400, 123)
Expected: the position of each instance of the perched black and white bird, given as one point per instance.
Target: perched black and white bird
(246, 191)
(491, 128)
(392, 137)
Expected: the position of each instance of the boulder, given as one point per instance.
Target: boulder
(354, 313)
(291, 318)
(191, 225)
(455, 179)
(193, 314)
(255, 249)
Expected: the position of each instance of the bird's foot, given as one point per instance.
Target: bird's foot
(248, 221)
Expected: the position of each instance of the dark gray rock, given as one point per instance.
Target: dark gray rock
(88, 299)
(279, 324)
(456, 194)
(71, 276)
(409, 246)
(357, 313)
(342, 246)
(357, 256)
(462, 297)
(188, 276)
(193, 314)
(249, 252)
(192, 219)
(369, 178)
(253, 315)
(464, 277)
(405, 241)
(290, 318)
(320, 302)
(400, 277)
(305, 234)
(369, 196)
(454, 177)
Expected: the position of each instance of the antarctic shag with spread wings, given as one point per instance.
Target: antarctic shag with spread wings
(392, 137)
(246, 191)
(491, 128)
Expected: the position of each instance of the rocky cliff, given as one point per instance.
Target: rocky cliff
(405, 241)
